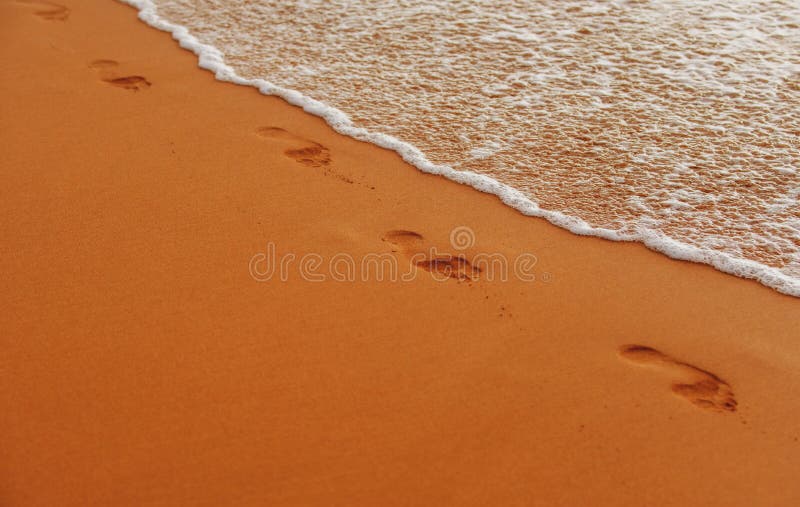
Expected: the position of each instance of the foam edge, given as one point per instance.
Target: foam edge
(211, 59)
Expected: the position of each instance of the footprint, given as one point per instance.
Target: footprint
(134, 83)
(457, 267)
(311, 156)
(276, 133)
(407, 240)
(103, 64)
(412, 245)
(48, 10)
(107, 74)
(309, 153)
(702, 388)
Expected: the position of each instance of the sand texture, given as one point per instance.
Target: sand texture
(144, 363)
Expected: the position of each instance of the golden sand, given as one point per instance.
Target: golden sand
(143, 365)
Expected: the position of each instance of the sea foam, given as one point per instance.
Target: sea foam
(669, 123)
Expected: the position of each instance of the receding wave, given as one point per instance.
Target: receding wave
(674, 123)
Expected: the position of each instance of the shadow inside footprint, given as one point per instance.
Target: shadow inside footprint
(406, 240)
(700, 387)
(103, 64)
(275, 133)
(48, 10)
(134, 83)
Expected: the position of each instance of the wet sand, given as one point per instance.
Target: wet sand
(143, 363)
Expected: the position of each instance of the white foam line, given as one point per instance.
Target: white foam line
(210, 58)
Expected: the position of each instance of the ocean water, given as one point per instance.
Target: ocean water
(675, 123)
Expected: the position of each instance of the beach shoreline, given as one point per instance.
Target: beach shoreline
(144, 362)
(662, 239)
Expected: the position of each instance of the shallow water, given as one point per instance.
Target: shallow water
(675, 123)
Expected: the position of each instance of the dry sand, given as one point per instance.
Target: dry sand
(143, 365)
